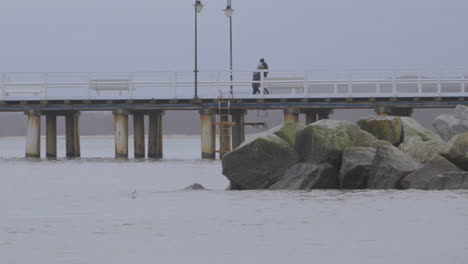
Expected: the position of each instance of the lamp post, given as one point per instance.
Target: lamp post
(228, 12)
(198, 6)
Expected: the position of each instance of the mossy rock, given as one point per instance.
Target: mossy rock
(457, 151)
(288, 132)
(384, 128)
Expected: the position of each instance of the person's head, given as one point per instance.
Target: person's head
(262, 60)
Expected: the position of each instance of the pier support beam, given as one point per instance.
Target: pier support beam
(208, 133)
(51, 136)
(291, 115)
(139, 135)
(33, 136)
(238, 130)
(72, 134)
(311, 116)
(155, 139)
(324, 113)
(393, 111)
(121, 133)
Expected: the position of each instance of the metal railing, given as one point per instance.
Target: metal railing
(179, 85)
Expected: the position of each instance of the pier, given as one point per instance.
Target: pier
(147, 95)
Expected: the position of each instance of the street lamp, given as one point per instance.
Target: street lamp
(228, 12)
(198, 6)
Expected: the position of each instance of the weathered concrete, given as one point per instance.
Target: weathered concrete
(72, 134)
(238, 130)
(324, 113)
(291, 115)
(33, 135)
(139, 135)
(155, 139)
(51, 136)
(208, 134)
(311, 116)
(121, 133)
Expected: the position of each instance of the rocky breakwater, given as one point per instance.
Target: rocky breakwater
(375, 153)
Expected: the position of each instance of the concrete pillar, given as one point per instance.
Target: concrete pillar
(291, 115)
(155, 140)
(72, 134)
(121, 133)
(324, 113)
(311, 116)
(139, 135)
(208, 133)
(238, 130)
(51, 136)
(33, 136)
(393, 111)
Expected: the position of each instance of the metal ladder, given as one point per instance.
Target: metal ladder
(224, 123)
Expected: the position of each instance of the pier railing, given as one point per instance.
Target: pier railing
(180, 85)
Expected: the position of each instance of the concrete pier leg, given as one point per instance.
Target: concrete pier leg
(291, 115)
(155, 139)
(139, 135)
(121, 133)
(393, 111)
(238, 130)
(33, 136)
(311, 116)
(72, 134)
(324, 113)
(51, 136)
(208, 133)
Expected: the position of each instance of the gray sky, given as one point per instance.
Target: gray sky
(294, 35)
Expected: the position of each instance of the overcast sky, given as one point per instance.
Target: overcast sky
(293, 35)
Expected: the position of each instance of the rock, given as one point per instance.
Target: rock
(195, 186)
(258, 163)
(389, 167)
(449, 181)
(324, 141)
(424, 177)
(448, 126)
(355, 167)
(457, 151)
(422, 151)
(288, 132)
(386, 128)
(308, 176)
(365, 139)
(412, 128)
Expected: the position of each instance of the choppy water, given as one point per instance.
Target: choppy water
(83, 211)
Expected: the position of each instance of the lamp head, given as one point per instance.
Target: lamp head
(198, 6)
(228, 11)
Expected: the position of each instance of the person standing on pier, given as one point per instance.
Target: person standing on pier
(263, 66)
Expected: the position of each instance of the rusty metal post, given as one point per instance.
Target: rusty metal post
(51, 136)
(121, 133)
(33, 136)
(72, 134)
(155, 139)
(238, 130)
(139, 135)
(291, 115)
(208, 133)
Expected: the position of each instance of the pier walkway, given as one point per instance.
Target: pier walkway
(315, 94)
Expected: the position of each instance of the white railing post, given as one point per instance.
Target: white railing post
(4, 85)
(439, 85)
(89, 85)
(420, 83)
(350, 83)
(174, 85)
(462, 88)
(130, 85)
(45, 80)
(262, 92)
(306, 84)
(394, 87)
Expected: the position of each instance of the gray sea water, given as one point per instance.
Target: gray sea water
(99, 210)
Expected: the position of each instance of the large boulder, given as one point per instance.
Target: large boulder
(457, 151)
(355, 167)
(448, 126)
(412, 128)
(258, 163)
(449, 181)
(421, 150)
(424, 177)
(288, 132)
(308, 176)
(386, 128)
(389, 167)
(324, 141)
